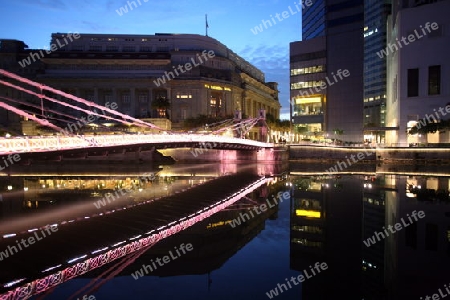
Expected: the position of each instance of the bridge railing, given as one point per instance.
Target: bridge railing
(54, 143)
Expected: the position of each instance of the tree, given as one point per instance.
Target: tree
(161, 104)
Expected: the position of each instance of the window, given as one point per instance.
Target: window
(126, 98)
(108, 98)
(77, 48)
(307, 70)
(95, 48)
(128, 49)
(306, 84)
(413, 82)
(112, 48)
(434, 80)
(183, 96)
(146, 49)
(143, 98)
(162, 49)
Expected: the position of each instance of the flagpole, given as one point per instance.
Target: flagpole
(206, 24)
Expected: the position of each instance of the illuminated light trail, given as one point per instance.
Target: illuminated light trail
(62, 103)
(126, 119)
(31, 117)
(39, 107)
(80, 100)
(52, 143)
(91, 263)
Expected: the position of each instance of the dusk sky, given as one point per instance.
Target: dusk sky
(230, 22)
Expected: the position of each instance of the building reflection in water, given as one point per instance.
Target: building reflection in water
(332, 216)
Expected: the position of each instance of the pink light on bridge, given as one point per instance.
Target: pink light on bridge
(80, 100)
(31, 117)
(41, 285)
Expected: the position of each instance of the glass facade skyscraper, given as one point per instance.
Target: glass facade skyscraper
(313, 19)
(375, 18)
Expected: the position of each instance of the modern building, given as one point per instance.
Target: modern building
(418, 67)
(376, 13)
(341, 24)
(196, 75)
(308, 70)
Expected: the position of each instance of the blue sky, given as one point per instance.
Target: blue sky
(230, 22)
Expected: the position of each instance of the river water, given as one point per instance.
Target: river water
(301, 235)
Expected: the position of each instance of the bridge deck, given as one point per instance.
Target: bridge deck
(59, 143)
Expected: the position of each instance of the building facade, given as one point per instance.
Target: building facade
(375, 18)
(340, 24)
(418, 67)
(308, 71)
(197, 75)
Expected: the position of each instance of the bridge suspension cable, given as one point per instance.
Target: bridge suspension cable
(126, 119)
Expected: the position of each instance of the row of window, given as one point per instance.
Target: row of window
(104, 67)
(115, 48)
(99, 39)
(307, 84)
(434, 81)
(308, 70)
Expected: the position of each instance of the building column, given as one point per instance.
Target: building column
(133, 102)
(96, 99)
(115, 98)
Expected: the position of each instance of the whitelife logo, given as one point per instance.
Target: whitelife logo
(169, 75)
(265, 24)
(439, 296)
(9, 161)
(313, 271)
(22, 244)
(203, 146)
(35, 56)
(111, 198)
(243, 217)
(378, 235)
(391, 48)
(341, 74)
(354, 158)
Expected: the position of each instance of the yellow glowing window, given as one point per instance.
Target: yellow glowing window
(309, 100)
(307, 213)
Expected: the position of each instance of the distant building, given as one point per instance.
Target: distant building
(195, 74)
(418, 65)
(376, 13)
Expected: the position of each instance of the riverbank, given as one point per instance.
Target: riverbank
(369, 154)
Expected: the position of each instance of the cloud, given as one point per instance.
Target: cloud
(273, 60)
(94, 27)
(272, 57)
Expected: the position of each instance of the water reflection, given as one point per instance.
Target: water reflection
(327, 219)
(332, 218)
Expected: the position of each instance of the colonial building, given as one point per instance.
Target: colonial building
(194, 74)
(197, 74)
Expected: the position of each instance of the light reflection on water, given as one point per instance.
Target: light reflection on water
(326, 220)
